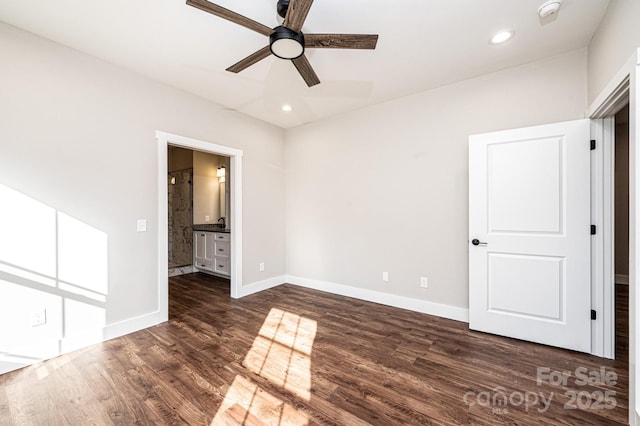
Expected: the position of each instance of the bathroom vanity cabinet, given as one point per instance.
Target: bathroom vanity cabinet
(212, 252)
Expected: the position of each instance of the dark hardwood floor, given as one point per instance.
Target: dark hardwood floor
(297, 356)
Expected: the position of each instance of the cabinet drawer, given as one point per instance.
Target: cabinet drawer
(221, 266)
(207, 264)
(222, 249)
(222, 237)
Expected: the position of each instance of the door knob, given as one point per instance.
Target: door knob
(477, 242)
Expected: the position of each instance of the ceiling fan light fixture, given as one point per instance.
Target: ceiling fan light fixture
(285, 43)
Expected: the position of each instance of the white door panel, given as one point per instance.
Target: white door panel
(529, 201)
(537, 296)
(515, 199)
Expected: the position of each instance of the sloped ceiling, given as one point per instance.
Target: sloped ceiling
(423, 44)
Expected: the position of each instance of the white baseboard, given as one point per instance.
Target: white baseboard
(257, 286)
(131, 325)
(24, 357)
(622, 279)
(423, 306)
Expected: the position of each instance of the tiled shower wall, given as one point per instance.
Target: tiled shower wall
(180, 185)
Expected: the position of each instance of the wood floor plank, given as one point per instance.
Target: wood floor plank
(221, 358)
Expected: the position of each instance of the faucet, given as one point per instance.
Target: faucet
(224, 225)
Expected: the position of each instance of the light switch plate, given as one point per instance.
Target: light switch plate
(142, 225)
(38, 317)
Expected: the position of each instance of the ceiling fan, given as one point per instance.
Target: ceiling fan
(287, 41)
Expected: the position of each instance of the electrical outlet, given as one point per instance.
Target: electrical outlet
(385, 276)
(207, 218)
(261, 266)
(424, 282)
(38, 317)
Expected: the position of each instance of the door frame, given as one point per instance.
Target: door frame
(602, 243)
(626, 84)
(164, 140)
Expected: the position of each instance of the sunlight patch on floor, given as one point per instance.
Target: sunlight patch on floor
(281, 352)
(245, 403)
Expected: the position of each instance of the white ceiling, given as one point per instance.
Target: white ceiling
(423, 44)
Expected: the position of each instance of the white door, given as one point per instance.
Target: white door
(529, 234)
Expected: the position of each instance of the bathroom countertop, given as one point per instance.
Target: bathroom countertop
(209, 228)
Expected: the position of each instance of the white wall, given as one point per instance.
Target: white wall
(65, 121)
(206, 188)
(616, 39)
(385, 188)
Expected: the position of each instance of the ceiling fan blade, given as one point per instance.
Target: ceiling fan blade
(250, 60)
(341, 41)
(306, 71)
(227, 14)
(296, 14)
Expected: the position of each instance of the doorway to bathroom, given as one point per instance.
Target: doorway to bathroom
(198, 205)
(234, 222)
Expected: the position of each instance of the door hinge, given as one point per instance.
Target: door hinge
(593, 144)
(593, 230)
(593, 314)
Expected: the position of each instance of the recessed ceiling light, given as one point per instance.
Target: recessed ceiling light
(502, 36)
(287, 108)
